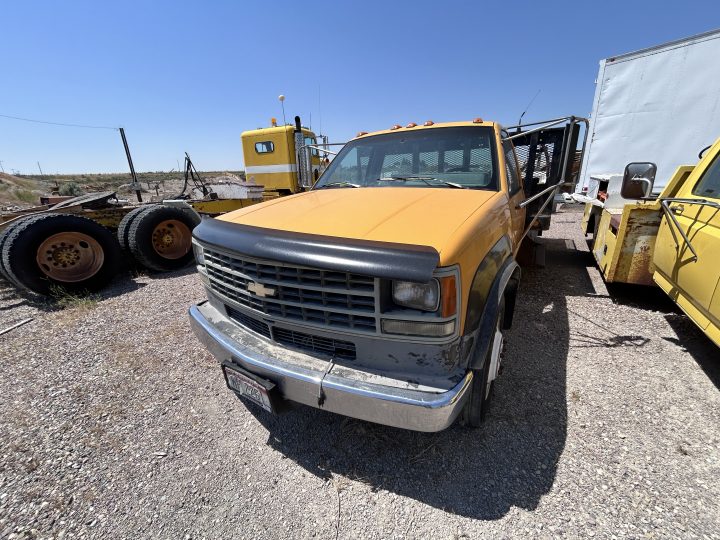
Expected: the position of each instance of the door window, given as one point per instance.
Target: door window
(709, 184)
(313, 141)
(511, 168)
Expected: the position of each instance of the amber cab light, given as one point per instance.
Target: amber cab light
(428, 123)
(361, 133)
(411, 125)
(477, 121)
(396, 126)
(448, 296)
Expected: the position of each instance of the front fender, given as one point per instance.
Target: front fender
(497, 275)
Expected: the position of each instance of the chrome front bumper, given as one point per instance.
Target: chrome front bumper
(299, 380)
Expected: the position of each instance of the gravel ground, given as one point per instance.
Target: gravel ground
(115, 423)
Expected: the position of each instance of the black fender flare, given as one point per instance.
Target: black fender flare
(497, 277)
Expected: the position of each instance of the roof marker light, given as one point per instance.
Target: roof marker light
(396, 126)
(411, 125)
(361, 133)
(428, 123)
(477, 121)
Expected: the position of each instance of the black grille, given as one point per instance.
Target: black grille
(256, 326)
(316, 344)
(321, 297)
(299, 340)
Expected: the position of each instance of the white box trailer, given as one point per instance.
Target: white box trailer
(660, 104)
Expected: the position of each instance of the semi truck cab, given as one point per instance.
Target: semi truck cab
(271, 157)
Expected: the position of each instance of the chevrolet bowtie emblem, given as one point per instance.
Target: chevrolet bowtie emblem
(260, 290)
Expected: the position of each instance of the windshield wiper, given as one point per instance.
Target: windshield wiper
(338, 184)
(429, 180)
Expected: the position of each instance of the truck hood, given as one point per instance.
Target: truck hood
(417, 216)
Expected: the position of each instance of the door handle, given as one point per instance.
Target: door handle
(679, 209)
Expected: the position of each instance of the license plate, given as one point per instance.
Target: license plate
(248, 386)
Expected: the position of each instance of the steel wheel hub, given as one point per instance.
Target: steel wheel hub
(70, 257)
(171, 239)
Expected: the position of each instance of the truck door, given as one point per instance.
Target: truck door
(694, 278)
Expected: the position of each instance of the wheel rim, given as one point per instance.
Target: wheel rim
(495, 357)
(171, 239)
(70, 257)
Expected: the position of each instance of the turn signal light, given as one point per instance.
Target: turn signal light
(396, 126)
(428, 123)
(417, 328)
(448, 296)
(477, 121)
(411, 125)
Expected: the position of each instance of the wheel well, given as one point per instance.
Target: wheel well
(510, 295)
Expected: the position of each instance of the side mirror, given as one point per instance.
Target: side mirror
(638, 180)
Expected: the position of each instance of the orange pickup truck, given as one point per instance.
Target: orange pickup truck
(383, 292)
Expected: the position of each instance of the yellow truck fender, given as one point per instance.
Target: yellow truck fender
(497, 277)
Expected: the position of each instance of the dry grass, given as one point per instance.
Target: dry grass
(27, 196)
(76, 301)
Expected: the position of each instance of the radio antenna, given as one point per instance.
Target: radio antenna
(320, 131)
(528, 107)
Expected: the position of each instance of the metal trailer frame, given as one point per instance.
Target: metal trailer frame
(557, 139)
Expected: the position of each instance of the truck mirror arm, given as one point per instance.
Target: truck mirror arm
(648, 184)
(321, 147)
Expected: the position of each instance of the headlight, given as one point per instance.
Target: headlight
(424, 296)
(199, 253)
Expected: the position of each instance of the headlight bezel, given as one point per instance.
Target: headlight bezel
(447, 312)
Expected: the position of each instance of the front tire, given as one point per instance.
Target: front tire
(481, 391)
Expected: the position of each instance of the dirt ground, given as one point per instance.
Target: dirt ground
(115, 423)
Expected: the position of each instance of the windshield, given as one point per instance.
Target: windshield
(452, 157)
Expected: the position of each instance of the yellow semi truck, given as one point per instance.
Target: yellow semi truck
(383, 293)
(276, 156)
(672, 240)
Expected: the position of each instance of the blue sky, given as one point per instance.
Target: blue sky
(191, 76)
